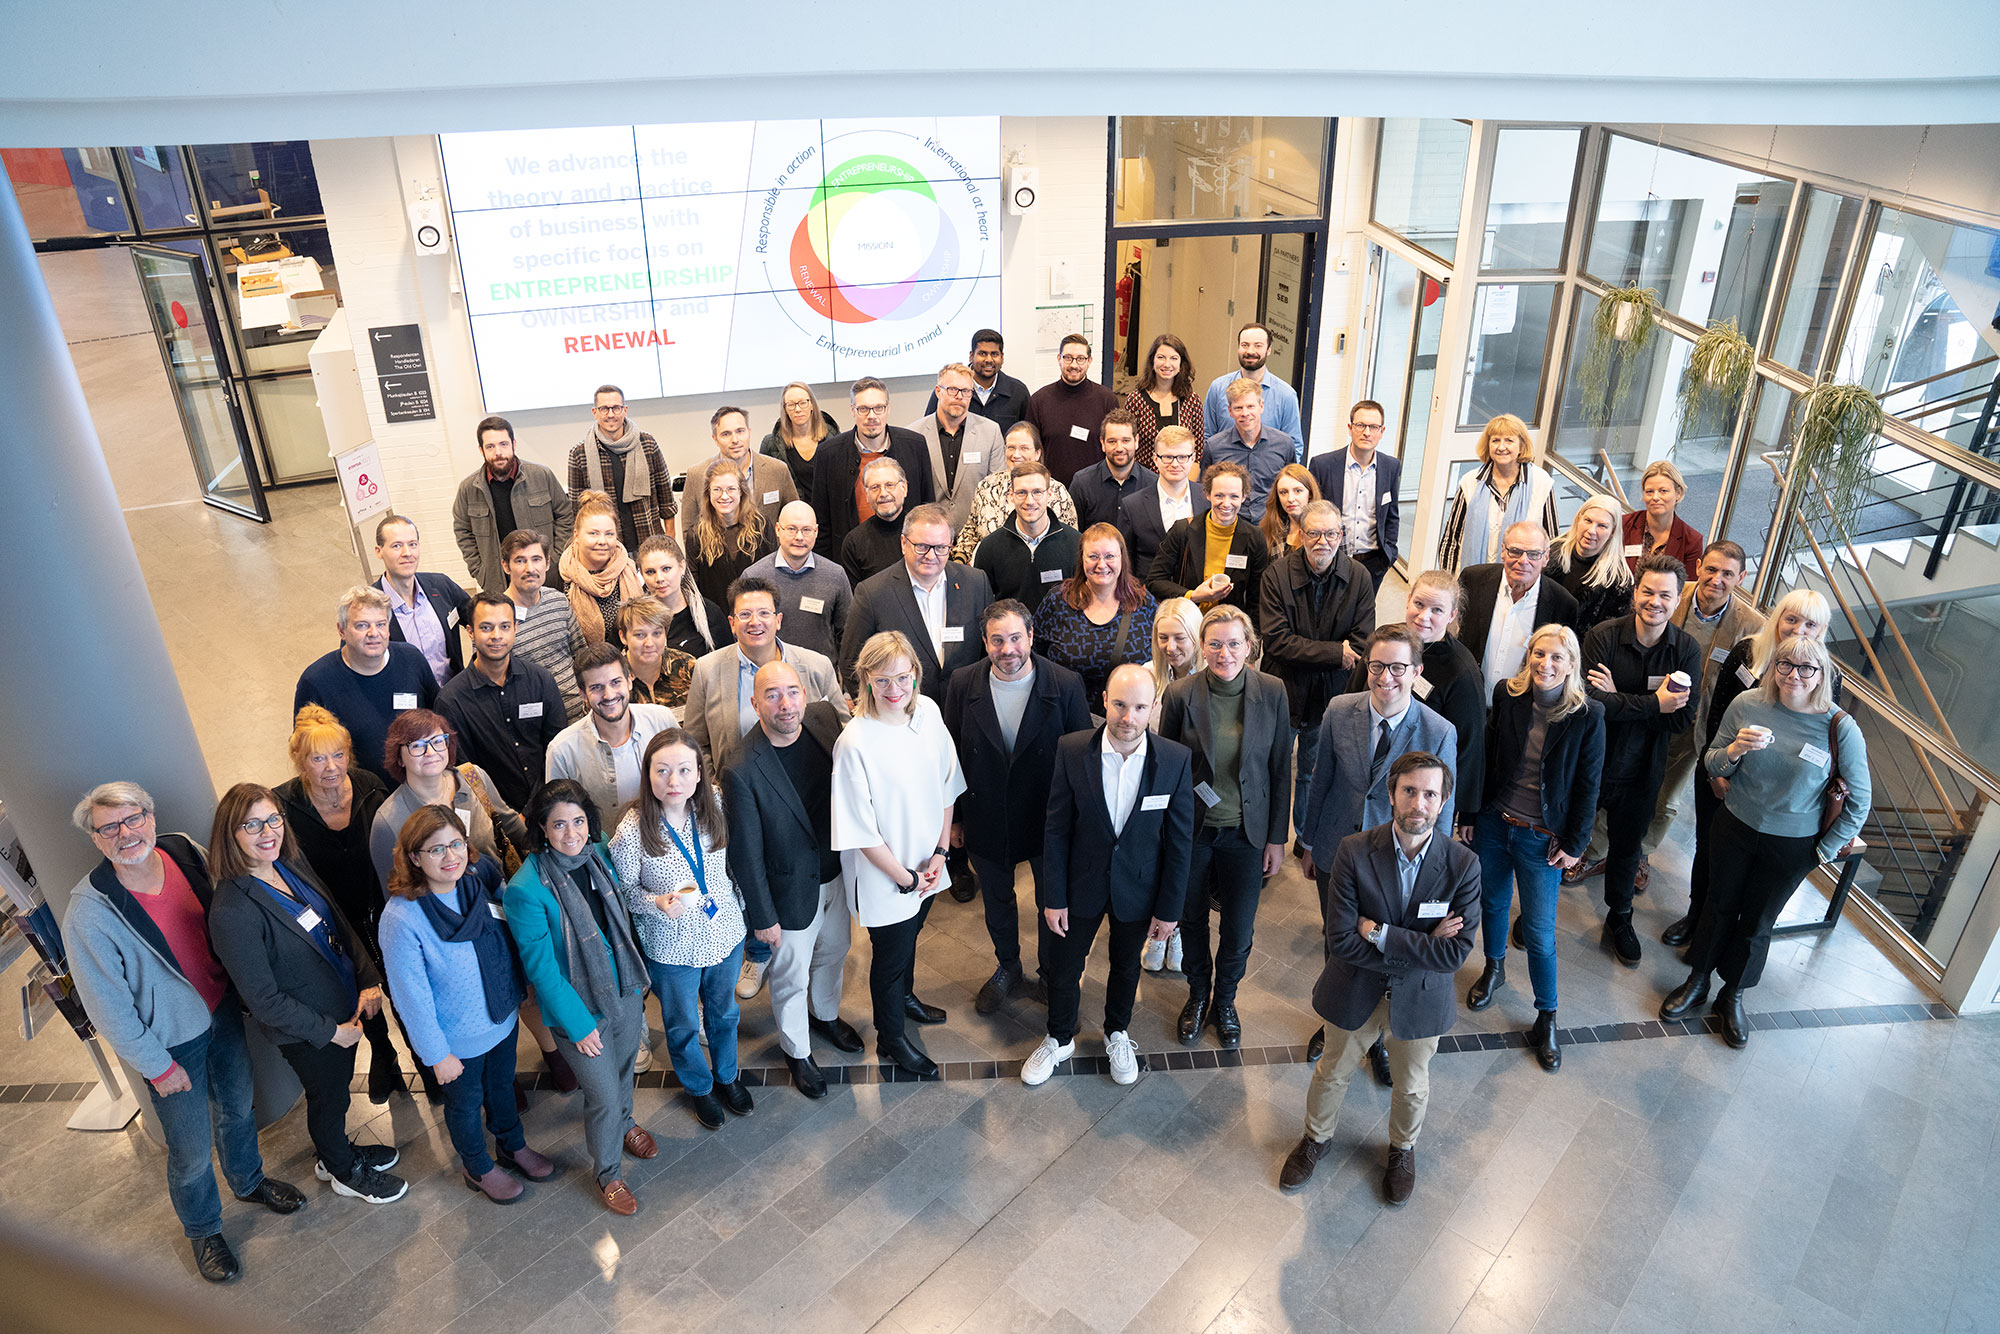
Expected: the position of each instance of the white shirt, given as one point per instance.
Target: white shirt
(892, 779)
(1375, 723)
(930, 606)
(1357, 511)
(1121, 780)
(1507, 640)
(1173, 509)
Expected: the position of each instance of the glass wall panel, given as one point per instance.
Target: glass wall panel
(1755, 498)
(1408, 317)
(1703, 234)
(1510, 345)
(1825, 239)
(1420, 181)
(159, 187)
(1203, 168)
(1527, 212)
(278, 331)
(258, 181)
(67, 191)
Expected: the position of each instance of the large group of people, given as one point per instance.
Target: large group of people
(682, 743)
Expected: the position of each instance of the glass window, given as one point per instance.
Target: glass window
(159, 187)
(258, 182)
(1420, 181)
(292, 284)
(1408, 317)
(1527, 213)
(1703, 234)
(1756, 496)
(1510, 344)
(1196, 168)
(1825, 238)
(67, 191)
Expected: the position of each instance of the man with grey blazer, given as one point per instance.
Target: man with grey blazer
(1402, 909)
(720, 707)
(964, 446)
(935, 602)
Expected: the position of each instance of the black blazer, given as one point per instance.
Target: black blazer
(834, 470)
(1138, 873)
(888, 601)
(773, 850)
(1264, 772)
(1481, 584)
(1139, 518)
(1004, 808)
(286, 983)
(1572, 763)
(455, 606)
(1183, 553)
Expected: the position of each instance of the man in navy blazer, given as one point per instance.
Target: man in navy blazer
(426, 609)
(1119, 839)
(888, 601)
(1402, 909)
(1371, 519)
(1006, 713)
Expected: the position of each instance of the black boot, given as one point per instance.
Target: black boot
(1621, 939)
(1228, 1028)
(1680, 933)
(1686, 998)
(1735, 1024)
(1490, 981)
(385, 1067)
(1193, 1015)
(1542, 1041)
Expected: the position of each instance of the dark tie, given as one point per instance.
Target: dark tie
(1381, 755)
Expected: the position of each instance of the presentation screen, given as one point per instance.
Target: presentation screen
(702, 259)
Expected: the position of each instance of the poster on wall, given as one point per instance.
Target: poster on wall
(708, 258)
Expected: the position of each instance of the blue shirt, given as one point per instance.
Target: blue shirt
(1281, 410)
(365, 705)
(440, 993)
(1273, 450)
(422, 626)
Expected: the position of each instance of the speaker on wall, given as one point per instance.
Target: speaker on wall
(1024, 184)
(427, 227)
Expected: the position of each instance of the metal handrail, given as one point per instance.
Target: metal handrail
(1953, 370)
(1938, 405)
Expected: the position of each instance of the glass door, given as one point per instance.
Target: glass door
(1407, 307)
(184, 322)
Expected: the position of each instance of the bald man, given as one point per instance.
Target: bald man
(813, 594)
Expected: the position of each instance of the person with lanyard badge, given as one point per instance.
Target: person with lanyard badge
(697, 624)
(992, 502)
(1099, 617)
(1293, 490)
(304, 976)
(1214, 557)
(660, 674)
(427, 610)
(575, 940)
(458, 985)
(896, 781)
(1165, 397)
(1507, 488)
(801, 428)
(1176, 636)
(728, 535)
(546, 632)
(1658, 528)
(670, 853)
(600, 575)
(619, 460)
(1591, 566)
(1799, 792)
(1146, 515)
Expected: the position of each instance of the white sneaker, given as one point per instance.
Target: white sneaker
(752, 980)
(643, 1060)
(1174, 952)
(1039, 1066)
(1124, 1054)
(1154, 956)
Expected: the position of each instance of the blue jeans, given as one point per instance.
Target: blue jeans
(1510, 855)
(693, 1001)
(214, 1115)
(486, 1084)
(755, 950)
(1305, 758)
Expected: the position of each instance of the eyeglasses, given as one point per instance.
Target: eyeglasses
(254, 827)
(608, 411)
(1172, 458)
(1525, 553)
(440, 849)
(1322, 534)
(1394, 670)
(1804, 671)
(424, 744)
(953, 391)
(1366, 428)
(1075, 359)
(861, 411)
(927, 548)
(132, 822)
(902, 682)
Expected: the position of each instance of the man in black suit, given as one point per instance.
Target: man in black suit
(1146, 515)
(1006, 713)
(934, 601)
(996, 396)
(837, 495)
(1363, 483)
(1402, 911)
(1505, 602)
(1119, 839)
(778, 797)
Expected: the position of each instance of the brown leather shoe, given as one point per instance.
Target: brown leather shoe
(639, 1144)
(1401, 1177)
(1301, 1161)
(1642, 877)
(1583, 871)
(619, 1199)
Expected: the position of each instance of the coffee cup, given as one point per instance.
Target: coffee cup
(1679, 682)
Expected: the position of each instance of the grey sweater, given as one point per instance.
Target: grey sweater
(813, 601)
(1778, 790)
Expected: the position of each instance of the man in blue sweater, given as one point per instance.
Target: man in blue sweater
(368, 680)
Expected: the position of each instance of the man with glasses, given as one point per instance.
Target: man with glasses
(932, 599)
(368, 680)
(1363, 482)
(602, 749)
(1505, 602)
(1070, 411)
(1281, 401)
(813, 595)
(1145, 515)
(1646, 671)
(505, 709)
(877, 541)
(1252, 443)
(137, 934)
(769, 479)
(839, 494)
(996, 395)
(963, 446)
(1102, 489)
(722, 701)
(625, 463)
(1031, 553)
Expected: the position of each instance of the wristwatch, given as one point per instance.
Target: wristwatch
(1378, 935)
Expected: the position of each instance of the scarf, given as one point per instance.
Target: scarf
(1475, 535)
(601, 970)
(467, 916)
(585, 588)
(638, 468)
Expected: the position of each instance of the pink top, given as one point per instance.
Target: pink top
(177, 912)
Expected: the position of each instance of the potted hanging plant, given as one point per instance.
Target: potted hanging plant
(1716, 374)
(1621, 330)
(1835, 439)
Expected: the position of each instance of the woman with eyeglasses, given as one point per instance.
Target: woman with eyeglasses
(1099, 617)
(1165, 396)
(991, 504)
(1589, 562)
(1779, 746)
(801, 428)
(458, 985)
(896, 781)
(304, 975)
(1507, 488)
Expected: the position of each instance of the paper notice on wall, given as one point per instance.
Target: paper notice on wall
(1497, 316)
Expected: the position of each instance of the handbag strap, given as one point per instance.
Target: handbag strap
(1833, 741)
(1124, 632)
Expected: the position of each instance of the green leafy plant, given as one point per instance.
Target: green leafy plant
(1716, 374)
(1620, 332)
(1834, 437)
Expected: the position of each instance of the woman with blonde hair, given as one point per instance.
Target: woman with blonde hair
(1282, 525)
(661, 673)
(1657, 527)
(1176, 654)
(801, 428)
(1544, 760)
(1507, 487)
(729, 535)
(597, 570)
(1590, 564)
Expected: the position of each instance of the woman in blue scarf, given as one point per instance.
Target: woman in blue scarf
(1507, 488)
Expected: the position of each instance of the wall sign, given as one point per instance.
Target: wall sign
(401, 373)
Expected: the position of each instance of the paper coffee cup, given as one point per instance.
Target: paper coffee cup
(1679, 682)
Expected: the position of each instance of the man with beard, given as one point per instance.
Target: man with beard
(545, 628)
(602, 749)
(1070, 411)
(839, 495)
(507, 493)
(996, 395)
(964, 446)
(1100, 490)
(625, 463)
(1281, 402)
(505, 709)
(876, 542)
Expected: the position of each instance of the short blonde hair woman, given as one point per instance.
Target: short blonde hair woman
(878, 655)
(1507, 488)
(1176, 644)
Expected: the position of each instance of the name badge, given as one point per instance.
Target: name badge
(532, 709)
(1421, 688)
(496, 910)
(1634, 549)
(972, 456)
(1158, 803)
(1744, 674)
(1078, 433)
(1206, 793)
(309, 919)
(953, 634)
(815, 605)
(451, 618)
(1052, 576)
(1655, 682)
(1814, 755)
(403, 699)
(1235, 562)
(1718, 655)
(1426, 911)
(770, 497)
(1388, 498)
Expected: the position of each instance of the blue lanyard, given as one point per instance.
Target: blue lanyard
(694, 862)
